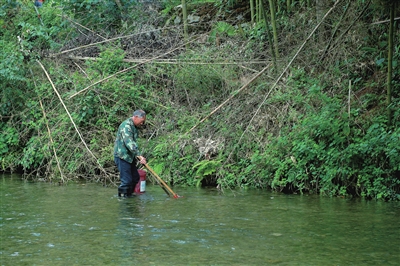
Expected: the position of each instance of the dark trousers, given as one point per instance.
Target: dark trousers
(128, 174)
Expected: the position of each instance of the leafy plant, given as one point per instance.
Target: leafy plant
(205, 168)
(221, 29)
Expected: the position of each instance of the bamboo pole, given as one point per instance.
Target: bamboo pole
(161, 181)
(272, 8)
(349, 109)
(384, 21)
(38, 15)
(173, 61)
(52, 142)
(252, 12)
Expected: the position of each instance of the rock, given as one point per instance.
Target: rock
(193, 18)
(177, 20)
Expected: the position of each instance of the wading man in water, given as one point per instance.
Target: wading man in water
(126, 152)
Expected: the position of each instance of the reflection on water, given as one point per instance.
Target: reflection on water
(86, 224)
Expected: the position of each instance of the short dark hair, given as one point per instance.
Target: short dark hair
(139, 113)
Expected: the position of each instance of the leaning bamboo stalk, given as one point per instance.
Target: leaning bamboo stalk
(51, 141)
(70, 117)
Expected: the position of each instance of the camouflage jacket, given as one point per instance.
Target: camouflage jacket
(125, 146)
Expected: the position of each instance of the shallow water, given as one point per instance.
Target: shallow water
(87, 224)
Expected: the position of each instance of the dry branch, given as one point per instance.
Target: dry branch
(384, 21)
(52, 142)
(173, 61)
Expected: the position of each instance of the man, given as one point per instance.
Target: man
(126, 152)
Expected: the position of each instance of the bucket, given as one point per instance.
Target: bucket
(141, 185)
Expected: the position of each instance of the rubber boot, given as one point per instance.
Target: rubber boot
(123, 191)
(129, 192)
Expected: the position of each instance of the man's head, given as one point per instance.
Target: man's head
(139, 118)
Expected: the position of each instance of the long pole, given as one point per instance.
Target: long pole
(161, 181)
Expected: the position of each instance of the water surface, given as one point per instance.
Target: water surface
(87, 224)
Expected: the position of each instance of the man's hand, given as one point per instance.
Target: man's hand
(142, 160)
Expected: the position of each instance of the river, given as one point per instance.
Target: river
(87, 224)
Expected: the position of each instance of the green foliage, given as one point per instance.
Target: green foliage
(11, 63)
(109, 62)
(97, 13)
(205, 168)
(169, 5)
(258, 32)
(221, 29)
(9, 140)
(33, 154)
(325, 152)
(173, 159)
(308, 137)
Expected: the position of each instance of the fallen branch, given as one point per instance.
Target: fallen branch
(384, 21)
(172, 61)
